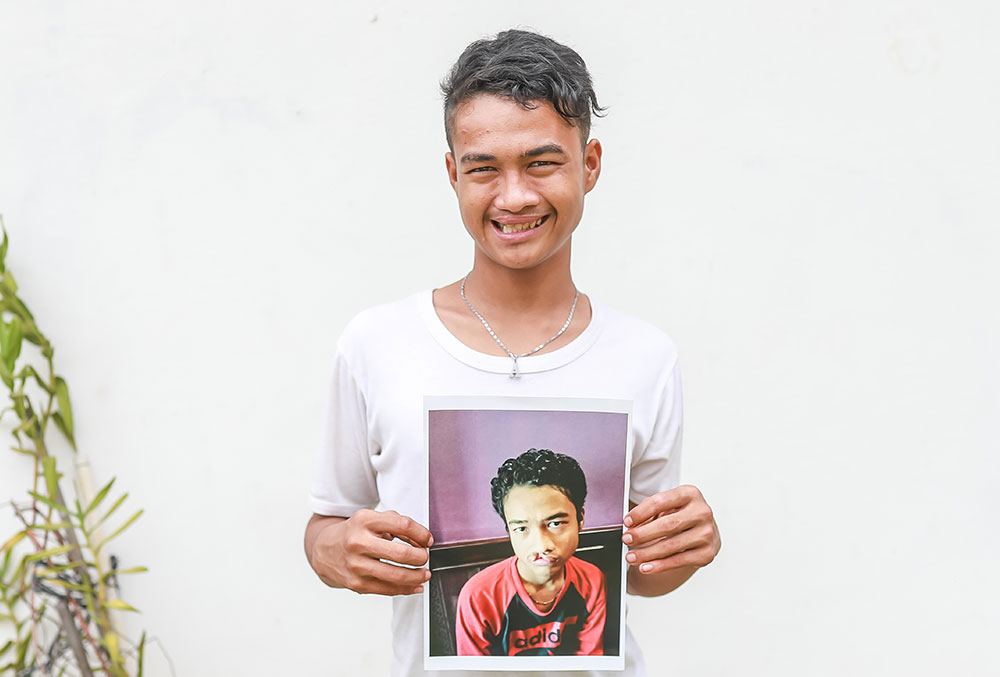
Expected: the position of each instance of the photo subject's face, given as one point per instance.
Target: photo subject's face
(520, 176)
(544, 530)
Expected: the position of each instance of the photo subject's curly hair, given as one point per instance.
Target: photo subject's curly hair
(539, 468)
(528, 68)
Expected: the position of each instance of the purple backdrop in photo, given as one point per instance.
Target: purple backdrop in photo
(467, 447)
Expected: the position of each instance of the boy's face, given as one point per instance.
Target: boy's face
(520, 176)
(544, 530)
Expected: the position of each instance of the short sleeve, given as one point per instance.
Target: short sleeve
(343, 476)
(657, 467)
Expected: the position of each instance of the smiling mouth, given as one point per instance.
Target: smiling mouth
(508, 228)
(543, 560)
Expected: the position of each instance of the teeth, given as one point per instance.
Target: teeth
(520, 227)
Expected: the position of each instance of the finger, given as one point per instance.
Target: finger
(377, 547)
(402, 527)
(374, 574)
(691, 539)
(662, 503)
(661, 527)
(688, 558)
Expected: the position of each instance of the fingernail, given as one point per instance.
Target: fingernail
(430, 542)
(631, 557)
(627, 538)
(427, 575)
(418, 589)
(646, 567)
(628, 521)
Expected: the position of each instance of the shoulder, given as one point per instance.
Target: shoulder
(588, 575)
(381, 325)
(621, 331)
(488, 588)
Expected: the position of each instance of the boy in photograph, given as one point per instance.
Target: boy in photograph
(517, 111)
(543, 601)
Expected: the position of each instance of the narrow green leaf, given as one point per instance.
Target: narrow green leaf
(59, 568)
(51, 552)
(62, 396)
(132, 570)
(12, 346)
(3, 246)
(142, 653)
(100, 497)
(47, 501)
(65, 584)
(51, 476)
(120, 529)
(47, 526)
(61, 424)
(119, 604)
(111, 510)
(7, 282)
(5, 374)
(11, 542)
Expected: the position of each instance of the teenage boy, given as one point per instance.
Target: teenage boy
(543, 601)
(517, 121)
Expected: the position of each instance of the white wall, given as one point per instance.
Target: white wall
(199, 195)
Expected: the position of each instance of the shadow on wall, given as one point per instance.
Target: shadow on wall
(454, 564)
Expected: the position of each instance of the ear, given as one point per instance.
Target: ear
(582, 513)
(452, 167)
(591, 164)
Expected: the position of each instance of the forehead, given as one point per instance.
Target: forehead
(526, 502)
(492, 122)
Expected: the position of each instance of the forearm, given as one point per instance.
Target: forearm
(654, 585)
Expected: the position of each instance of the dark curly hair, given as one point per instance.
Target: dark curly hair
(537, 468)
(528, 68)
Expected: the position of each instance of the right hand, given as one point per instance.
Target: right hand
(348, 553)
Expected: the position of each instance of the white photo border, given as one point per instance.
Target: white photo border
(515, 403)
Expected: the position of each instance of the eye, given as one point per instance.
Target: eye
(555, 524)
(519, 530)
(480, 170)
(543, 163)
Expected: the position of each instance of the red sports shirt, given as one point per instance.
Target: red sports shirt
(496, 617)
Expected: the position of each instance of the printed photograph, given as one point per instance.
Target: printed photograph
(526, 498)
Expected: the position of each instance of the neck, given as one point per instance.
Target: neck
(542, 289)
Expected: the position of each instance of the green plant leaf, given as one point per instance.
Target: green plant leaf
(62, 396)
(51, 476)
(100, 497)
(3, 246)
(65, 584)
(7, 282)
(47, 501)
(61, 424)
(120, 529)
(11, 348)
(9, 545)
(51, 552)
(119, 604)
(142, 653)
(111, 510)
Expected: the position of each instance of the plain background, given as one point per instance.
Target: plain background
(467, 446)
(200, 195)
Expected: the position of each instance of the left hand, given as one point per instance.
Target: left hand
(670, 530)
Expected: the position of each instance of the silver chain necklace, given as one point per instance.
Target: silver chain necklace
(513, 369)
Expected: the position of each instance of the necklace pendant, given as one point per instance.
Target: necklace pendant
(513, 369)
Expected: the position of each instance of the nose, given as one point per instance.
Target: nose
(542, 542)
(515, 193)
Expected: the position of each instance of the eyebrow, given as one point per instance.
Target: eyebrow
(549, 148)
(547, 519)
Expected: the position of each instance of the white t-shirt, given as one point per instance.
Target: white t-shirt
(390, 357)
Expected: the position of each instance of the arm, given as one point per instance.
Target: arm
(470, 627)
(592, 633)
(670, 535)
(348, 552)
